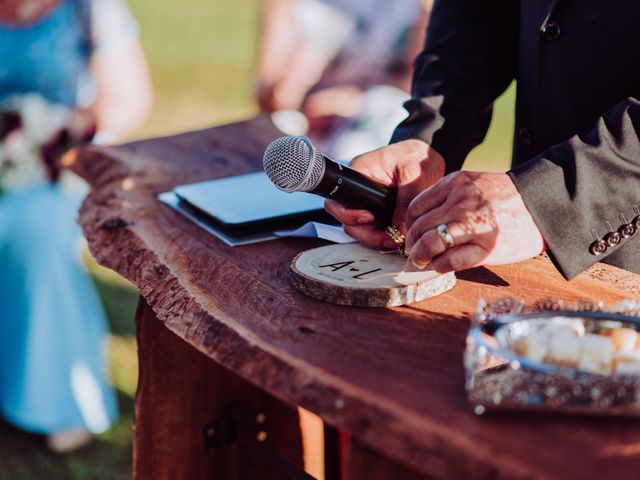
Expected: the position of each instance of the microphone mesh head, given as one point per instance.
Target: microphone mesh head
(293, 164)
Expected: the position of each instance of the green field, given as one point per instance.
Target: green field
(201, 54)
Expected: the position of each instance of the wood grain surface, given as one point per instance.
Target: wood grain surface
(393, 377)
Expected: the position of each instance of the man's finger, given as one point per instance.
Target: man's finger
(372, 164)
(428, 221)
(429, 199)
(459, 258)
(370, 235)
(430, 244)
(348, 216)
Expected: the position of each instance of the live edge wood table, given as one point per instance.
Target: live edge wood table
(228, 349)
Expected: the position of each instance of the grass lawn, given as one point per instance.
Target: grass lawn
(201, 54)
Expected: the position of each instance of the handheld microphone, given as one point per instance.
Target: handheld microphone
(294, 165)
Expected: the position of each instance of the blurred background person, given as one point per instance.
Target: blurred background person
(68, 69)
(339, 70)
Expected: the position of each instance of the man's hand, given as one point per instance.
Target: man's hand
(411, 166)
(484, 213)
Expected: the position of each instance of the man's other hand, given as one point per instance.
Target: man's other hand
(410, 166)
(485, 215)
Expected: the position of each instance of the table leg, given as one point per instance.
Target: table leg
(365, 463)
(180, 392)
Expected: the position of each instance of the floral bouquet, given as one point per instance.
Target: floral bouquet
(34, 134)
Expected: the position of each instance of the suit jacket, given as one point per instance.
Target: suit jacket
(576, 157)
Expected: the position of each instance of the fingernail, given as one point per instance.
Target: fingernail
(366, 219)
(416, 263)
(390, 244)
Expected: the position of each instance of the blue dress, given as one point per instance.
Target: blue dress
(52, 326)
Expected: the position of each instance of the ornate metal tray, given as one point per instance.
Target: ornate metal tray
(498, 378)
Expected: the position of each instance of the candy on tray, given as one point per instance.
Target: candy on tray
(628, 368)
(560, 361)
(625, 357)
(535, 346)
(624, 339)
(566, 344)
(597, 353)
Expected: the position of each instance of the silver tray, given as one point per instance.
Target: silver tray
(497, 378)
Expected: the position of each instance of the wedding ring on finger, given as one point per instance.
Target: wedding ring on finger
(445, 236)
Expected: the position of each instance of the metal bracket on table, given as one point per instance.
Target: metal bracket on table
(244, 425)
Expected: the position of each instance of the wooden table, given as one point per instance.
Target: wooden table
(225, 342)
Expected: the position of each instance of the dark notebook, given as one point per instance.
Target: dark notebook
(245, 208)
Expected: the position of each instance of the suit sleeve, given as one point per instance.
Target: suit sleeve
(575, 188)
(469, 59)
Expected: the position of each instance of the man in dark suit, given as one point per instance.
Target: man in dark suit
(574, 189)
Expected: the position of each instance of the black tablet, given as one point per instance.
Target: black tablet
(250, 203)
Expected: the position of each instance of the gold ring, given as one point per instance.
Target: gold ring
(396, 235)
(445, 236)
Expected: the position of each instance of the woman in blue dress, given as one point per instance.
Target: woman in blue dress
(85, 55)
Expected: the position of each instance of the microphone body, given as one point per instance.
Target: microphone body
(294, 165)
(356, 190)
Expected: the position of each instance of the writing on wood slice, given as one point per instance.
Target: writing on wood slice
(355, 275)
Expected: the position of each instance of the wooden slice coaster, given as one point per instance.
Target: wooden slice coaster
(352, 274)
